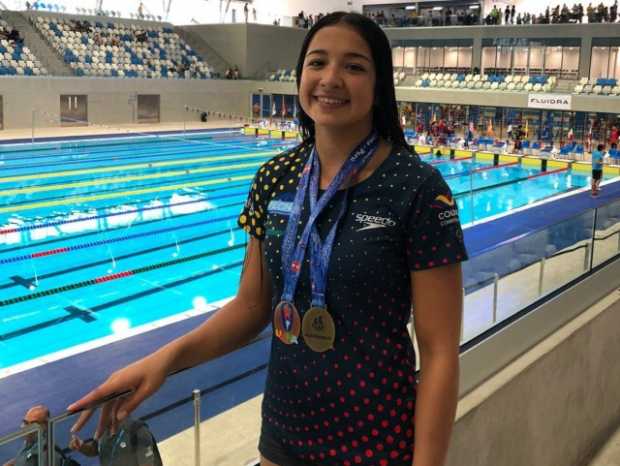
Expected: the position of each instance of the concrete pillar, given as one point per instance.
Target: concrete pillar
(476, 57)
(585, 56)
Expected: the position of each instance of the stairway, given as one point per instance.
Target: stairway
(35, 42)
(204, 50)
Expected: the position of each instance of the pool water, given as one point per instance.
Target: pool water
(101, 236)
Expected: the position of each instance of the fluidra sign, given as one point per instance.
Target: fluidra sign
(549, 101)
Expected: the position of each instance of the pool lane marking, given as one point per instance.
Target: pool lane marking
(481, 169)
(126, 179)
(509, 182)
(117, 276)
(98, 197)
(54, 223)
(134, 166)
(118, 301)
(25, 282)
(91, 244)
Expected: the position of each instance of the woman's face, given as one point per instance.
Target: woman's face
(338, 79)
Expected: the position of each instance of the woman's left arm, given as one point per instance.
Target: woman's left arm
(437, 302)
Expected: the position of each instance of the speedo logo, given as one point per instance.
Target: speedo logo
(371, 222)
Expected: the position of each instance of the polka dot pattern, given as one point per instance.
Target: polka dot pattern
(354, 404)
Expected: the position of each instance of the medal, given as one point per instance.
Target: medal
(286, 323)
(318, 329)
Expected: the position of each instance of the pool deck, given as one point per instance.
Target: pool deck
(48, 383)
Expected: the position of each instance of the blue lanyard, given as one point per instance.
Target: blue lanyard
(293, 254)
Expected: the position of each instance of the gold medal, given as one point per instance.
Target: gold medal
(318, 329)
(286, 323)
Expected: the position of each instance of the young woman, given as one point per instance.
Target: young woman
(348, 232)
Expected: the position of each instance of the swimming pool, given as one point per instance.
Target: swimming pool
(98, 237)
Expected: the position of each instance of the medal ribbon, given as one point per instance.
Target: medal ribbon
(293, 254)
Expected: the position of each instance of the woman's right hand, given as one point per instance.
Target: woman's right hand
(141, 379)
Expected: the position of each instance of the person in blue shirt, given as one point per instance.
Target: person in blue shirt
(597, 168)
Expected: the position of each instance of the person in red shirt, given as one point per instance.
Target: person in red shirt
(614, 135)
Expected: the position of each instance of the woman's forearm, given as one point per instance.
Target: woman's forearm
(229, 329)
(435, 409)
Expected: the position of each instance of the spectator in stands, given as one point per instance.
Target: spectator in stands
(140, 10)
(507, 15)
(28, 455)
(246, 11)
(512, 15)
(614, 135)
(235, 72)
(228, 74)
(28, 6)
(14, 36)
(613, 12)
(141, 36)
(590, 13)
(254, 15)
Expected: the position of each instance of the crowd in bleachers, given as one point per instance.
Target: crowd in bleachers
(556, 15)
(430, 17)
(306, 21)
(15, 57)
(447, 16)
(121, 50)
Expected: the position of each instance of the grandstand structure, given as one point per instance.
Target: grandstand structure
(488, 75)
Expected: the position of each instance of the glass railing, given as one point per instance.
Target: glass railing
(27, 444)
(192, 411)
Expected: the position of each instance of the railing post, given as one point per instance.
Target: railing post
(196, 394)
(541, 276)
(40, 444)
(586, 258)
(495, 293)
(51, 451)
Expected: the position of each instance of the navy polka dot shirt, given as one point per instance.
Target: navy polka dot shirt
(353, 404)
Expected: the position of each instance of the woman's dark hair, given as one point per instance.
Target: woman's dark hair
(385, 113)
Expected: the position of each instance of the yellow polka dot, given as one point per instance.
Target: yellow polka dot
(277, 167)
(274, 179)
(243, 220)
(247, 228)
(281, 187)
(259, 231)
(256, 197)
(254, 186)
(290, 181)
(257, 214)
(266, 187)
(253, 222)
(273, 194)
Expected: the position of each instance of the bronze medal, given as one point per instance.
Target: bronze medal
(286, 323)
(318, 329)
